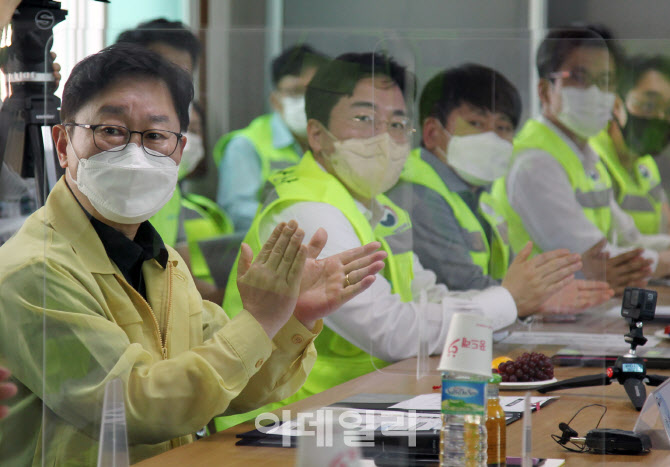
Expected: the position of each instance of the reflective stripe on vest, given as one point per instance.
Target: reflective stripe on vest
(394, 231)
(592, 190)
(418, 171)
(259, 133)
(636, 203)
(638, 193)
(500, 249)
(594, 199)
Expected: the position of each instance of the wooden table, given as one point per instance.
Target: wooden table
(400, 378)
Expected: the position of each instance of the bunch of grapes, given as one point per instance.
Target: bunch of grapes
(528, 367)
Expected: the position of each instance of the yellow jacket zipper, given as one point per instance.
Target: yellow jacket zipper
(159, 334)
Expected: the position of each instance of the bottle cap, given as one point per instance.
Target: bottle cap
(495, 379)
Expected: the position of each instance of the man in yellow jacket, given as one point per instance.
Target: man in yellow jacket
(91, 294)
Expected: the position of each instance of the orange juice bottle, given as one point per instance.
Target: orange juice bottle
(495, 424)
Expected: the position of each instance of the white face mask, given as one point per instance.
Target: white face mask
(369, 166)
(585, 111)
(193, 153)
(293, 114)
(480, 158)
(127, 186)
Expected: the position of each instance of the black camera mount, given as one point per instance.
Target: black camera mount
(29, 113)
(638, 305)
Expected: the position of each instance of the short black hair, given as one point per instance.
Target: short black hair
(172, 33)
(558, 44)
(339, 77)
(636, 67)
(478, 85)
(294, 60)
(97, 72)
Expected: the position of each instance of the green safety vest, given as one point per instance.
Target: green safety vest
(639, 194)
(592, 195)
(205, 219)
(166, 221)
(338, 360)
(492, 257)
(259, 133)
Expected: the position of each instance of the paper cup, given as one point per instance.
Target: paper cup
(468, 345)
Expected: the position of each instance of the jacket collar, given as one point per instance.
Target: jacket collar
(68, 218)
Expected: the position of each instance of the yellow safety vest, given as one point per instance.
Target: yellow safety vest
(166, 221)
(493, 258)
(592, 191)
(259, 133)
(338, 360)
(639, 194)
(210, 221)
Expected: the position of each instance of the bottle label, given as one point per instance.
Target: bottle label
(463, 397)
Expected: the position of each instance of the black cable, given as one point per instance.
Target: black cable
(579, 448)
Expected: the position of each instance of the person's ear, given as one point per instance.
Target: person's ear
(60, 137)
(543, 90)
(619, 111)
(176, 156)
(275, 101)
(315, 135)
(433, 134)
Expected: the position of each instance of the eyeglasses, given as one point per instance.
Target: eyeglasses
(583, 79)
(399, 128)
(116, 138)
(649, 106)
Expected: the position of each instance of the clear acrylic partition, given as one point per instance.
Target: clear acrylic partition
(65, 362)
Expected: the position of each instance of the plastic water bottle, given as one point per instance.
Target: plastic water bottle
(463, 437)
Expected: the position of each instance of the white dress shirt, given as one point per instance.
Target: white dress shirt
(377, 321)
(539, 190)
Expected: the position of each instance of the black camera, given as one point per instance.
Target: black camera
(639, 304)
(27, 114)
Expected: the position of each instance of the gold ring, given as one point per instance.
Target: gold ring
(346, 279)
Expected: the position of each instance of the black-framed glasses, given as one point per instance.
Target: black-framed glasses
(605, 81)
(155, 142)
(649, 106)
(399, 128)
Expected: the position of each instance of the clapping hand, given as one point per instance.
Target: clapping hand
(269, 286)
(531, 281)
(628, 269)
(577, 296)
(330, 282)
(286, 277)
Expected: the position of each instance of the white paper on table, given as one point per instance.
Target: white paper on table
(576, 340)
(433, 402)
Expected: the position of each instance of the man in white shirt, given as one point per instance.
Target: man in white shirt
(359, 133)
(559, 192)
